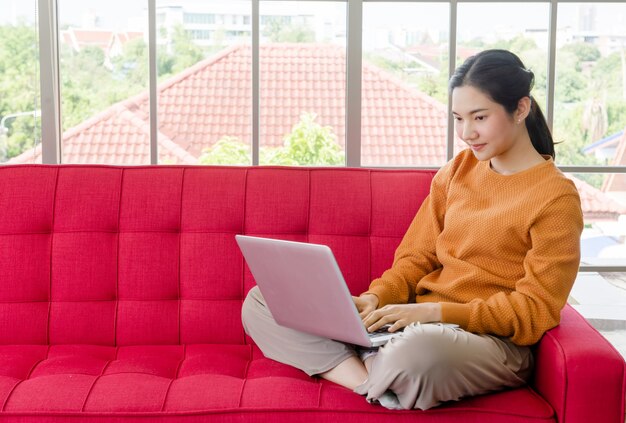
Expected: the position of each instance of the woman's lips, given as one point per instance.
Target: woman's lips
(477, 147)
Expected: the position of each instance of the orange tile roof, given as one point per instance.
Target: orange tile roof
(115, 136)
(401, 126)
(596, 205)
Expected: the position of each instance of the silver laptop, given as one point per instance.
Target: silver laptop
(305, 290)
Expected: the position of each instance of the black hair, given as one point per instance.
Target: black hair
(502, 76)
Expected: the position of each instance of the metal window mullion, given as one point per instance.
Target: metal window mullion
(451, 68)
(256, 91)
(592, 169)
(152, 65)
(354, 74)
(50, 88)
(601, 268)
(551, 80)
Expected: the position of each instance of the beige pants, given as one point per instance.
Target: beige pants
(426, 365)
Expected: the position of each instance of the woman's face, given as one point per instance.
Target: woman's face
(484, 125)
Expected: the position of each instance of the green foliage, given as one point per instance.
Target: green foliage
(433, 85)
(184, 52)
(518, 45)
(608, 77)
(616, 111)
(584, 52)
(227, 151)
(87, 85)
(133, 65)
(19, 85)
(278, 31)
(308, 144)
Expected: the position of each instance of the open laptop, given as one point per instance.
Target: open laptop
(305, 290)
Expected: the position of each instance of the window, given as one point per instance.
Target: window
(198, 18)
(302, 81)
(604, 237)
(590, 88)
(20, 117)
(205, 90)
(103, 62)
(404, 84)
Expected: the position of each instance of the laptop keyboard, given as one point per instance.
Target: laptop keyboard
(381, 331)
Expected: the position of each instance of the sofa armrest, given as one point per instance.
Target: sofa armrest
(580, 373)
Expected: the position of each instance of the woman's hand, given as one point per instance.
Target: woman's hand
(365, 304)
(401, 315)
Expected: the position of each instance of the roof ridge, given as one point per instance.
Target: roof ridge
(193, 69)
(610, 205)
(162, 138)
(405, 87)
(144, 95)
(24, 157)
(112, 110)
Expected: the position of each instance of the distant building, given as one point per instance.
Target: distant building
(110, 42)
(612, 150)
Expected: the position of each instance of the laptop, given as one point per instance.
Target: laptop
(305, 290)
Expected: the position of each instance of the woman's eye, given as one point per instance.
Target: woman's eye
(480, 117)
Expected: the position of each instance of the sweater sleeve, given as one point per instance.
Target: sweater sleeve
(416, 255)
(550, 268)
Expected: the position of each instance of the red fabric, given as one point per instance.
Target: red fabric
(573, 371)
(121, 292)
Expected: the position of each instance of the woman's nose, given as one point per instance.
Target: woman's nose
(468, 132)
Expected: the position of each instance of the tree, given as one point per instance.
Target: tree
(184, 52)
(308, 144)
(132, 65)
(19, 86)
(227, 151)
(279, 31)
(584, 52)
(87, 86)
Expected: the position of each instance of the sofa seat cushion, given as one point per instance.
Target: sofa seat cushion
(189, 380)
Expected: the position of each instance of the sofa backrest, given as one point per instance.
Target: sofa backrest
(114, 255)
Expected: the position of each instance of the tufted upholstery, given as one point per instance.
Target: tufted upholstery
(121, 291)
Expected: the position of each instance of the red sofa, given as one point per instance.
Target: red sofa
(121, 290)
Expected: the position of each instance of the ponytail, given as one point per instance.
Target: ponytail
(538, 130)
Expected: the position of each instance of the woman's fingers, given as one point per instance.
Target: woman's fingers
(379, 318)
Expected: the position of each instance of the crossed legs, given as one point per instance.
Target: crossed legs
(425, 366)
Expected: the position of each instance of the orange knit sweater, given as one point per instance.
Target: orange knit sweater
(499, 252)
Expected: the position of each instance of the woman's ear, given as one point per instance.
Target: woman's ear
(523, 109)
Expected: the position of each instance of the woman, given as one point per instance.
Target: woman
(494, 249)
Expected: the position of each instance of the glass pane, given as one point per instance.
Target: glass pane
(20, 117)
(302, 78)
(103, 61)
(519, 27)
(205, 82)
(590, 89)
(603, 198)
(404, 84)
